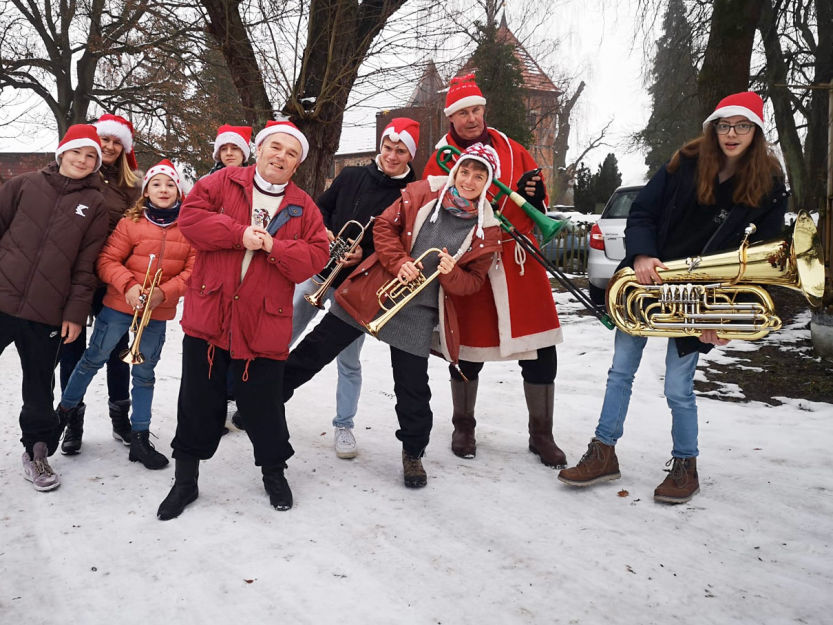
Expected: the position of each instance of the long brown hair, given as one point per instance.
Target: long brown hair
(135, 212)
(754, 174)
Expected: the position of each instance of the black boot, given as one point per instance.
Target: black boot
(280, 496)
(184, 490)
(74, 418)
(142, 450)
(119, 411)
(463, 397)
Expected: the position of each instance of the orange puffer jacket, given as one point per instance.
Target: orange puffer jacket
(124, 261)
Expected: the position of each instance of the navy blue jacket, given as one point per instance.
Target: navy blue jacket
(667, 196)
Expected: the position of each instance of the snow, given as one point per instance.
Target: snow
(496, 539)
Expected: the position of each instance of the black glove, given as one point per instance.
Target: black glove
(538, 197)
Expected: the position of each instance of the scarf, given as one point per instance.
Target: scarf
(162, 216)
(457, 205)
(484, 138)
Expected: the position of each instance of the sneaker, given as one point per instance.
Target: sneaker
(38, 471)
(345, 443)
(682, 482)
(414, 473)
(598, 464)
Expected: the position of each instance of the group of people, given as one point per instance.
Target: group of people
(247, 245)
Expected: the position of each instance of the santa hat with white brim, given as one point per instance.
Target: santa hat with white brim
(79, 136)
(286, 127)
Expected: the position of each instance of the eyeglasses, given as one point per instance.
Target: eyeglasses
(741, 128)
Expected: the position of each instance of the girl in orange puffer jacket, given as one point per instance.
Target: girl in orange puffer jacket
(144, 242)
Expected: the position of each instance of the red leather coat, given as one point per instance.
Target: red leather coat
(514, 313)
(252, 318)
(394, 233)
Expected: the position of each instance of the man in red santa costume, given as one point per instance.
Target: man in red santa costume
(513, 317)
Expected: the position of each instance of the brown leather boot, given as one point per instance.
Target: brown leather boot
(463, 398)
(682, 482)
(539, 402)
(598, 464)
(414, 473)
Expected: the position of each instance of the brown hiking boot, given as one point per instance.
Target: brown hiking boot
(539, 402)
(415, 476)
(681, 484)
(463, 397)
(598, 464)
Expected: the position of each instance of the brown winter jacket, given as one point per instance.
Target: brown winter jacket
(51, 230)
(117, 199)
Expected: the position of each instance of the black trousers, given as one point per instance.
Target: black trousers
(118, 372)
(541, 370)
(410, 378)
(37, 346)
(201, 408)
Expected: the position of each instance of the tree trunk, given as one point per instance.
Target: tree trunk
(728, 52)
(226, 26)
(562, 175)
(782, 104)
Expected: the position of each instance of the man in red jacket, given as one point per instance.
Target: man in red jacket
(257, 235)
(513, 316)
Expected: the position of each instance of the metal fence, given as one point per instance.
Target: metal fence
(568, 249)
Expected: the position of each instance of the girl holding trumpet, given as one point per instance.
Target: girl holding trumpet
(412, 239)
(145, 264)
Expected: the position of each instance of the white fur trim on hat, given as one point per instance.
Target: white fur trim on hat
(234, 139)
(112, 128)
(79, 143)
(403, 136)
(731, 111)
(472, 100)
(286, 128)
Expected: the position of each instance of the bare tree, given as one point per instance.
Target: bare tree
(55, 50)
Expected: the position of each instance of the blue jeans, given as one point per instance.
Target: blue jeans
(679, 393)
(349, 365)
(110, 326)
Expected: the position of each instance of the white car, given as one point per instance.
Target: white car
(607, 241)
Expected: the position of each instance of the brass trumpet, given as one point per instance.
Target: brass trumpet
(400, 294)
(722, 291)
(340, 247)
(132, 355)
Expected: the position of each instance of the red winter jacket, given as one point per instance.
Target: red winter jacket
(252, 318)
(514, 313)
(124, 262)
(394, 233)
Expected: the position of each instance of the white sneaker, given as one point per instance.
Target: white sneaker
(345, 443)
(38, 471)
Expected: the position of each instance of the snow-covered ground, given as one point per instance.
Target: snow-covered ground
(496, 539)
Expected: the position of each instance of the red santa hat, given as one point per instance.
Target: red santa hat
(286, 127)
(79, 136)
(402, 129)
(118, 127)
(482, 153)
(239, 136)
(462, 92)
(749, 104)
(164, 167)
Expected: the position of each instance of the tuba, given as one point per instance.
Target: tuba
(722, 291)
(340, 247)
(132, 355)
(399, 294)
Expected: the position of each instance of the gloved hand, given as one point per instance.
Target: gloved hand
(531, 186)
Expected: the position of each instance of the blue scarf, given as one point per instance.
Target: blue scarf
(162, 216)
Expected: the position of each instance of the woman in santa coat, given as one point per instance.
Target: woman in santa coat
(513, 317)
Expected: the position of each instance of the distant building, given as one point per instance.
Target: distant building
(15, 163)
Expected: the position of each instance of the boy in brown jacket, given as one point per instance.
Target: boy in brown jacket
(52, 226)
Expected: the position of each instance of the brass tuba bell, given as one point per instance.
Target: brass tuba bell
(722, 291)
